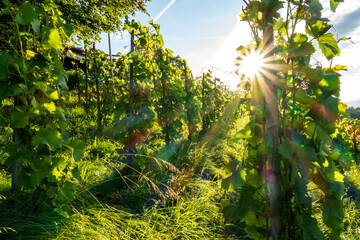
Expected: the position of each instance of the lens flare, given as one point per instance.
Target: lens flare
(251, 64)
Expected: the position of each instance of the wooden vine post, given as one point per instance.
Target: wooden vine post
(188, 104)
(131, 83)
(204, 125)
(273, 173)
(99, 115)
(18, 133)
(86, 77)
(110, 55)
(163, 89)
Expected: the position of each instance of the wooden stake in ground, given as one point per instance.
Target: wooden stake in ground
(272, 125)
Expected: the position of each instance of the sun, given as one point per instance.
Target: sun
(251, 64)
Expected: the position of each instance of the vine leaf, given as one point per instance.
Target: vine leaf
(328, 45)
(311, 228)
(243, 134)
(77, 148)
(340, 67)
(5, 59)
(333, 214)
(16, 153)
(28, 14)
(35, 24)
(48, 104)
(302, 97)
(18, 119)
(50, 137)
(69, 29)
(54, 95)
(334, 4)
(52, 39)
(317, 28)
(235, 181)
(253, 178)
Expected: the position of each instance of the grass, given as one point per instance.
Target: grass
(107, 209)
(196, 216)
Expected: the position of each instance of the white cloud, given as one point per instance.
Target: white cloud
(346, 22)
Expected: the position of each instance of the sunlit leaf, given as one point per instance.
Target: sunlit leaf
(328, 45)
(334, 4)
(52, 39)
(235, 181)
(50, 137)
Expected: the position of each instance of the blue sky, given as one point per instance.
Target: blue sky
(207, 32)
(193, 29)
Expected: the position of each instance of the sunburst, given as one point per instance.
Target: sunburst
(252, 64)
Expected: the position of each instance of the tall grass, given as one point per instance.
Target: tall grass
(196, 216)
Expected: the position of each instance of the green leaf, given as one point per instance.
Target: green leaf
(77, 148)
(54, 95)
(16, 153)
(251, 223)
(69, 29)
(299, 39)
(18, 119)
(35, 24)
(302, 97)
(243, 134)
(52, 39)
(328, 45)
(340, 67)
(342, 108)
(305, 49)
(20, 89)
(285, 149)
(48, 104)
(5, 60)
(232, 165)
(317, 28)
(334, 4)
(311, 229)
(254, 233)
(253, 178)
(67, 192)
(41, 86)
(333, 214)
(160, 39)
(299, 47)
(315, 5)
(300, 191)
(235, 181)
(331, 81)
(28, 14)
(3, 121)
(50, 137)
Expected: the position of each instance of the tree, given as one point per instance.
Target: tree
(354, 112)
(90, 18)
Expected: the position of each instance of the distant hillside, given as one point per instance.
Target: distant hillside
(355, 103)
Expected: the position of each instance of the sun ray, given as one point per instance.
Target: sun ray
(251, 64)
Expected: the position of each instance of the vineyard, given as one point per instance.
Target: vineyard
(132, 145)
